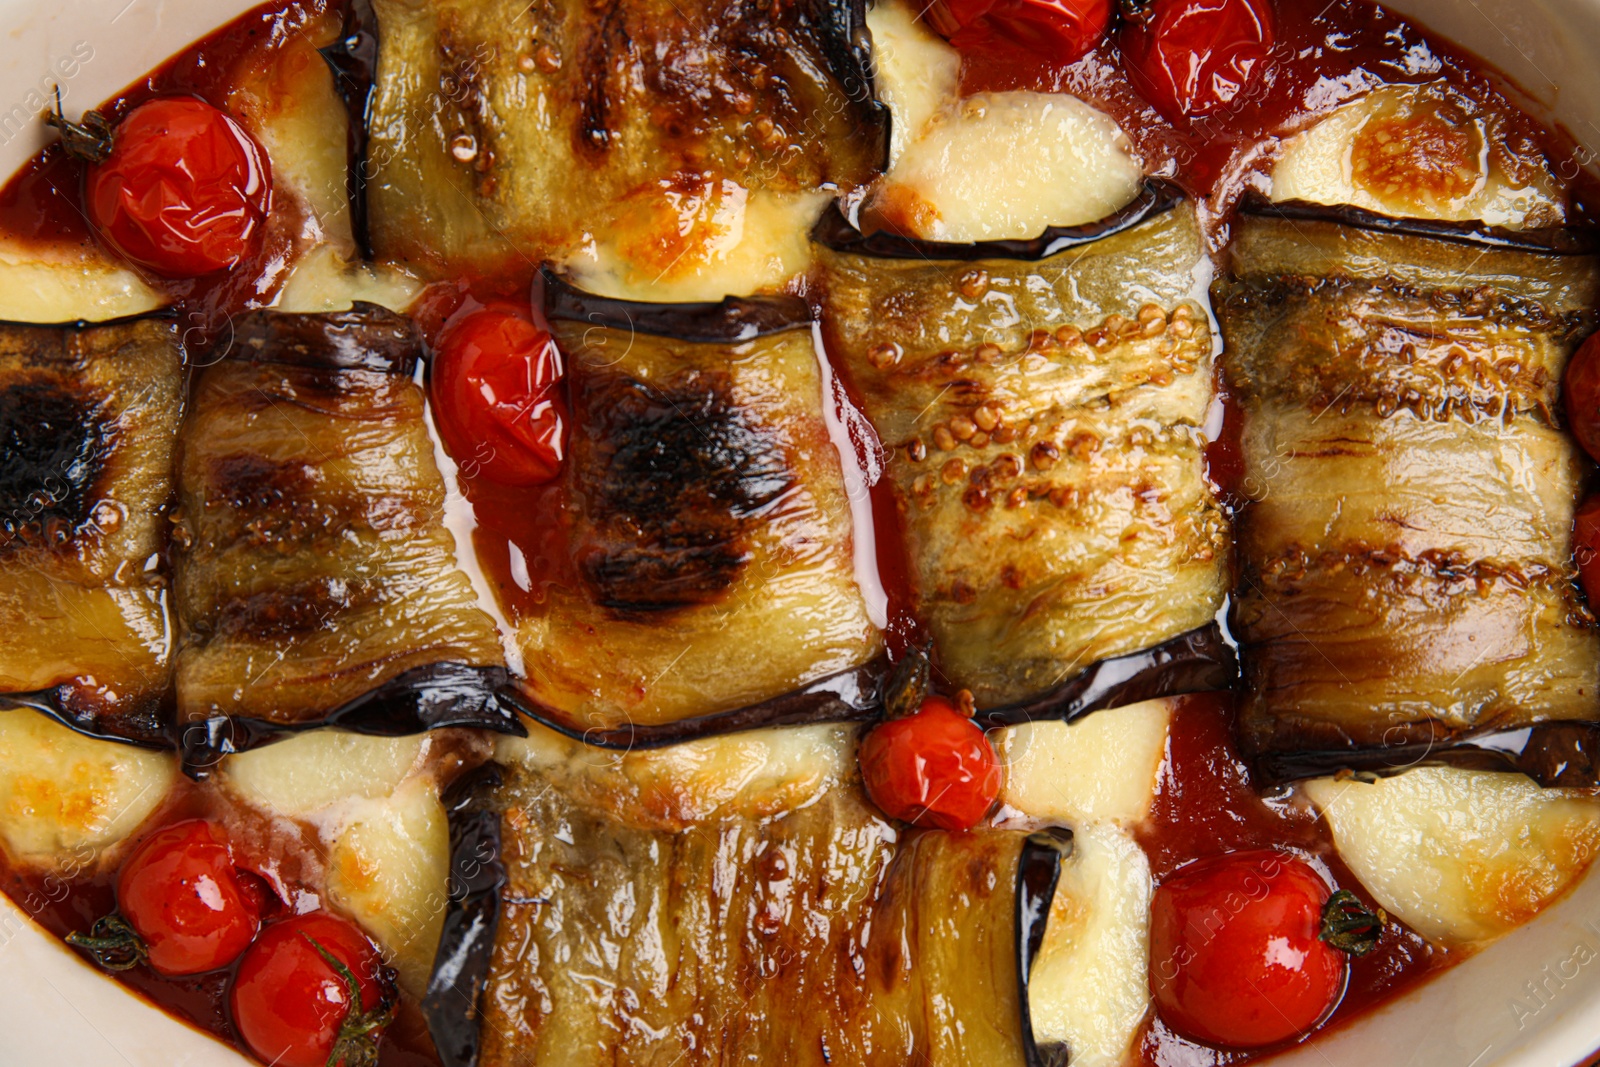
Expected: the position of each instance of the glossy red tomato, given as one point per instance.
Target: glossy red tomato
(1586, 548)
(932, 768)
(1581, 392)
(1195, 57)
(495, 398)
(184, 192)
(181, 893)
(291, 1005)
(1060, 30)
(1235, 957)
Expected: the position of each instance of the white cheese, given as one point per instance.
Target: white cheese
(1102, 768)
(68, 283)
(323, 280)
(1461, 856)
(1412, 152)
(1002, 166)
(917, 73)
(390, 869)
(704, 240)
(301, 775)
(66, 798)
(1089, 988)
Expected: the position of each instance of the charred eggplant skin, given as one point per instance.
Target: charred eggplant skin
(491, 903)
(353, 58)
(1406, 583)
(88, 417)
(312, 555)
(1042, 431)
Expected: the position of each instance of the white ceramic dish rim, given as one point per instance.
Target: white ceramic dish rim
(1530, 1000)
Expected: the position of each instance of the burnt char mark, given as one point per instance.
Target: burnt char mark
(366, 337)
(353, 58)
(245, 481)
(674, 477)
(732, 320)
(848, 696)
(1199, 661)
(593, 137)
(54, 443)
(835, 232)
(1553, 240)
(301, 609)
(1554, 754)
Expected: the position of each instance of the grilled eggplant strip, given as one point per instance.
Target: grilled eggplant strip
(1406, 547)
(88, 417)
(1044, 420)
(314, 566)
(503, 124)
(710, 531)
(720, 947)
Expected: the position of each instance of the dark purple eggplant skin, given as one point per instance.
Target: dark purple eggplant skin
(1553, 240)
(432, 697)
(353, 59)
(732, 320)
(472, 916)
(366, 337)
(835, 232)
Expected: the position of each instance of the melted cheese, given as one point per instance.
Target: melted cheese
(917, 73)
(324, 280)
(696, 238)
(304, 774)
(1003, 166)
(1089, 986)
(65, 798)
(1102, 768)
(1461, 856)
(1411, 151)
(389, 869)
(69, 283)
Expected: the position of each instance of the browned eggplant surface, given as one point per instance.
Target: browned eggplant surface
(88, 418)
(710, 530)
(500, 124)
(1044, 420)
(1406, 544)
(643, 920)
(313, 564)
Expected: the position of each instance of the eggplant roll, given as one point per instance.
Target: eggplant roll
(88, 419)
(500, 124)
(709, 529)
(778, 918)
(1406, 543)
(1041, 404)
(314, 565)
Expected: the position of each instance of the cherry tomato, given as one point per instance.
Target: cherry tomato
(291, 1005)
(181, 893)
(184, 192)
(495, 400)
(1235, 959)
(1582, 395)
(1193, 57)
(932, 768)
(1586, 548)
(1061, 30)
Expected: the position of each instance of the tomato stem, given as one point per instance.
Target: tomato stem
(1349, 926)
(88, 139)
(112, 943)
(357, 1042)
(907, 686)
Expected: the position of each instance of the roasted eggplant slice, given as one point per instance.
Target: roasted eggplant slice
(315, 577)
(88, 417)
(1405, 547)
(710, 532)
(1042, 402)
(503, 124)
(778, 918)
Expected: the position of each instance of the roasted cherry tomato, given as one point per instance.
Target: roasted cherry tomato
(932, 768)
(1193, 57)
(182, 895)
(1586, 548)
(183, 190)
(1235, 956)
(1060, 30)
(1582, 395)
(292, 1004)
(495, 399)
